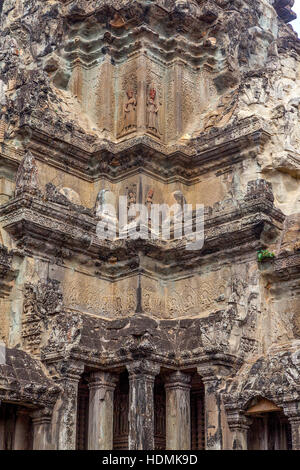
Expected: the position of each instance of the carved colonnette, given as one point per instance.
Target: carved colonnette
(141, 404)
(178, 411)
(64, 419)
(101, 410)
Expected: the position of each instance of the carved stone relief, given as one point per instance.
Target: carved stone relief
(27, 176)
(41, 302)
(105, 204)
(128, 102)
(100, 297)
(130, 112)
(152, 112)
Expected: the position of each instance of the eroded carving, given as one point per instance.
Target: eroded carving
(27, 176)
(130, 112)
(152, 112)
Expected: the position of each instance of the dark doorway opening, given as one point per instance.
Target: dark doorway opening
(121, 410)
(159, 414)
(82, 415)
(16, 432)
(197, 414)
(269, 431)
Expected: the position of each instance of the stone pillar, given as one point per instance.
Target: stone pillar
(141, 407)
(101, 410)
(295, 431)
(292, 411)
(212, 405)
(178, 75)
(178, 411)
(141, 93)
(22, 430)
(239, 425)
(65, 411)
(107, 113)
(41, 421)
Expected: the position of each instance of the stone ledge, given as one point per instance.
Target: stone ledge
(117, 160)
(32, 221)
(22, 379)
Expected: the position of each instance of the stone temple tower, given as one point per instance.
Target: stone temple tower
(137, 342)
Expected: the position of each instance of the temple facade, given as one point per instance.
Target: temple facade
(133, 340)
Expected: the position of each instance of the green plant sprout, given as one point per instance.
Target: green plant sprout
(264, 254)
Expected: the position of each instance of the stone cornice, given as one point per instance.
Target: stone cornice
(34, 222)
(192, 17)
(92, 159)
(105, 344)
(22, 379)
(285, 267)
(162, 49)
(208, 12)
(115, 363)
